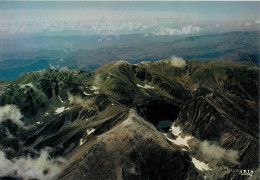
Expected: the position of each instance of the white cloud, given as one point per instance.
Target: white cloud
(89, 20)
(177, 62)
(109, 21)
(27, 168)
(190, 29)
(12, 113)
(75, 99)
(213, 150)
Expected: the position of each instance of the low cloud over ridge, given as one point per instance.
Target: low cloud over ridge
(177, 61)
(12, 113)
(214, 151)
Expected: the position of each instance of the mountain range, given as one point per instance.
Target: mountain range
(21, 54)
(167, 119)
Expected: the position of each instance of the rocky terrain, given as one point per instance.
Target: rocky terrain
(169, 119)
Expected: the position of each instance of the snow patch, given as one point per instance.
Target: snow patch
(82, 140)
(59, 110)
(181, 141)
(138, 85)
(247, 172)
(28, 84)
(145, 86)
(149, 87)
(93, 88)
(90, 131)
(61, 100)
(176, 130)
(86, 94)
(200, 165)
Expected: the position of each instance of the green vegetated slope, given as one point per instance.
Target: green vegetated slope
(104, 123)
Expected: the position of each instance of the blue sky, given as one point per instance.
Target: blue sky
(158, 18)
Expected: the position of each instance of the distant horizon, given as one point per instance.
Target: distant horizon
(115, 18)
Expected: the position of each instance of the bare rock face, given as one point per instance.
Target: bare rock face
(151, 120)
(225, 120)
(130, 149)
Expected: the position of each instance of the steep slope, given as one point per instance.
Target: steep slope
(117, 122)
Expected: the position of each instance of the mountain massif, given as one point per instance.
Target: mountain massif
(168, 119)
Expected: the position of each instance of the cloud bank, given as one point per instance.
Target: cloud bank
(90, 21)
(27, 168)
(120, 20)
(12, 113)
(190, 29)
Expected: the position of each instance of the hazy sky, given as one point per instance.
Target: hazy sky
(159, 18)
